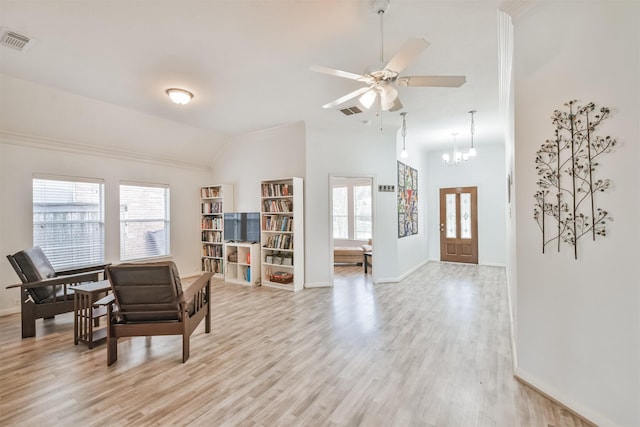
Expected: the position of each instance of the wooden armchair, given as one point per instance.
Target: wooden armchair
(45, 292)
(148, 300)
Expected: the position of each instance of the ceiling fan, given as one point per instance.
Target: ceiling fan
(381, 80)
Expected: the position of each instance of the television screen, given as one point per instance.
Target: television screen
(242, 226)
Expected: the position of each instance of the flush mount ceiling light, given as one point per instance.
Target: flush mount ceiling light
(179, 96)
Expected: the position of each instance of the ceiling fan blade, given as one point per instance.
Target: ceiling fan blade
(340, 73)
(397, 105)
(346, 97)
(408, 52)
(431, 81)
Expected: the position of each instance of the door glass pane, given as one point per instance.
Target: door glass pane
(451, 216)
(465, 215)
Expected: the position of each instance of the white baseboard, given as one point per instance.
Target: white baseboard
(578, 409)
(10, 310)
(387, 280)
(318, 285)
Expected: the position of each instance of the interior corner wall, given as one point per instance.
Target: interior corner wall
(578, 327)
(485, 171)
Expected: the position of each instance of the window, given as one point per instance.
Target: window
(68, 220)
(144, 221)
(340, 213)
(352, 209)
(362, 211)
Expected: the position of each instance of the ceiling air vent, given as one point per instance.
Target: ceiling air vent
(14, 40)
(350, 110)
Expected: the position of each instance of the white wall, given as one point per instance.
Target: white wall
(578, 326)
(246, 160)
(29, 110)
(485, 171)
(413, 251)
(350, 152)
(18, 165)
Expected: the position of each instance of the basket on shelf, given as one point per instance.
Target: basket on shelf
(281, 277)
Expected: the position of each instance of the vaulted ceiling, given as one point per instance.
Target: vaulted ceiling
(247, 61)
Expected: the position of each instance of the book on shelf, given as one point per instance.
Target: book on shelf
(276, 190)
(279, 241)
(212, 223)
(209, 236)
(277, 223)
(209, 192)
(280, 205)
(212, 265)
(211, 208)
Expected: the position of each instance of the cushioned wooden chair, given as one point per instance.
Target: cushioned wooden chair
(148, 300)
(45, 292)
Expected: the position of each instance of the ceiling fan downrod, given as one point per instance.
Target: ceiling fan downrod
(380, 6)
(381, 14)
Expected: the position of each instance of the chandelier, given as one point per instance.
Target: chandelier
(458, 157)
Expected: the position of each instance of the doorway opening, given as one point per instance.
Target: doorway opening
(351, 201)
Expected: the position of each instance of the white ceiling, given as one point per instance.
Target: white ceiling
(247, 61)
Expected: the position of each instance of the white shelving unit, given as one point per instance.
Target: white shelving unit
(215, 200)
(282, 233)
(242, 263)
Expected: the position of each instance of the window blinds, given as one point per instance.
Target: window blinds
(68, 220)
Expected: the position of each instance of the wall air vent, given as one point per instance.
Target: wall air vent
(350, 110)
(14, 40)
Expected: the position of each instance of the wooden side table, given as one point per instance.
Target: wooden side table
(86, 317)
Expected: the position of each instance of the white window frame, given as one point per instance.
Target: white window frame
(351, 220)
(333, 215)
(147, 246)
(65, 252)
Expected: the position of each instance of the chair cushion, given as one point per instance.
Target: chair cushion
(35, 266)
(146, 291)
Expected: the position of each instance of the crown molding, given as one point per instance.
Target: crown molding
(46, 143)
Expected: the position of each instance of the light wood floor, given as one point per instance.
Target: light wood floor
(430, 351)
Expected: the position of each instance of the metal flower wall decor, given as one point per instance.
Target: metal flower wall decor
(565, 206)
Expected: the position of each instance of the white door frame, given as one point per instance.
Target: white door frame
(374, 205)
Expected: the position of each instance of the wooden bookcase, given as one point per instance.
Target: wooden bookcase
(242, 263)
(215, 200)
(282, 233)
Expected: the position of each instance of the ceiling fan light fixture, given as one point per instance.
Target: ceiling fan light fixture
(179, 96)
(368, 99)
(388, 96)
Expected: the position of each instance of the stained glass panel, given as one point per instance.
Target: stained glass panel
(451, 216)
(465, 215)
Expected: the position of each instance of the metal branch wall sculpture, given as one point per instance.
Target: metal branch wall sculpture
(566, 168)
